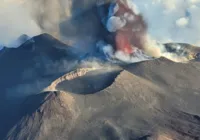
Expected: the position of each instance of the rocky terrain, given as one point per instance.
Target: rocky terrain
(49, 92)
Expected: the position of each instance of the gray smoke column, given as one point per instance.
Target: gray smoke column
(49, 13)
(129, 28)
(33, 17)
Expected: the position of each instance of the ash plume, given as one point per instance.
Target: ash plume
(136, 29)
(33, 17)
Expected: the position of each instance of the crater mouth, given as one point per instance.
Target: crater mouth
(89, 83)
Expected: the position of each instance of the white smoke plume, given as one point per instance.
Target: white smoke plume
(168, 21)
(15, 21)
(31, 17)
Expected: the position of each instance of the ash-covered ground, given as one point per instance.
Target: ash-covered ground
(48, 91)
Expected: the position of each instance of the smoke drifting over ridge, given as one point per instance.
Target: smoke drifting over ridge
(173, 20)
(166, 22)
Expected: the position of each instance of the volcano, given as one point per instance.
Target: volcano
(51, 91)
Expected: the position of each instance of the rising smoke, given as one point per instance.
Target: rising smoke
(181, 23)
(168, 21)
(33, 17)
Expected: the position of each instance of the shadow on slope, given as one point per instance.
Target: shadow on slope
(29, 69)
(31, 60)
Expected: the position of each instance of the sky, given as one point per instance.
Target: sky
(15, 21)
(172, 20)
(168, 20)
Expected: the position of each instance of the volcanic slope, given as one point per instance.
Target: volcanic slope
(38, 57)
(155, 99)
(28, 70)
